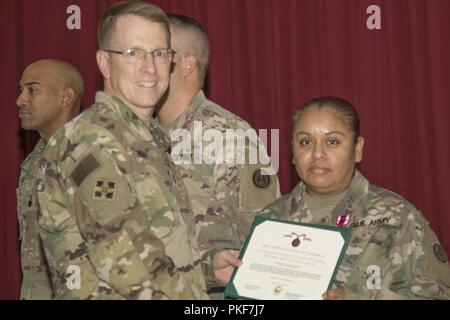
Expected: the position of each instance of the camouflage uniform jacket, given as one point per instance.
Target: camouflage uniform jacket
(224, 196)
(388, 233)
(36, 283)
(116, 221)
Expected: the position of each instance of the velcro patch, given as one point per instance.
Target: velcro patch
(87, 166)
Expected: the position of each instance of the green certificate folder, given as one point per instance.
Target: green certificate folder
(288, 261)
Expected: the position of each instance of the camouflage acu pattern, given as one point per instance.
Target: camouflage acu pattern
(114, 206)
(386, 231)
(36, 283)
(224, 197)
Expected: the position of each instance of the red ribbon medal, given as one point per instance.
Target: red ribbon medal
(343, 220)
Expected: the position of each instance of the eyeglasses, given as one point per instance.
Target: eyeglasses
(137, 55)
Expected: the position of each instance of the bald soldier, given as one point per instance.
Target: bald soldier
(225, 194)
(50, 96)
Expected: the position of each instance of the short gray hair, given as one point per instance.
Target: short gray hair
(142, 9)
(191, 25)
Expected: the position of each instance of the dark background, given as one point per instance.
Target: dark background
(268, 57)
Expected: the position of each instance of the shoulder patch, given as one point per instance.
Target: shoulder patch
(256, 190)
(106, 193)
(439, 253)
(88, 165)
(104, 189)
(261, 181)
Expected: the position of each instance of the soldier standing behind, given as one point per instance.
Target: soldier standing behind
(116, 220)
(50, 95)
(388, 234)
(225, 196)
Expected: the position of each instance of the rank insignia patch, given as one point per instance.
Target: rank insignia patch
(104, 190)
(261, 181)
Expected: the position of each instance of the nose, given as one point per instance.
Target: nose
(21, 99)
(148, 64)
(318, 152)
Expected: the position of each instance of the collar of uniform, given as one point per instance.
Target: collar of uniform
(195, 103)
(138, 127)
(32, 158)
(159, 135)
(356, 199)
(354, 202)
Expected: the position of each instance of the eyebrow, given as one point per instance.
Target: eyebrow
(30, 84)
(335, 132)
(327, 134)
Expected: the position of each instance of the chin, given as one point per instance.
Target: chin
(318, 180)
(24, 126)
(319, 187)
(149, 104)
(149, 100)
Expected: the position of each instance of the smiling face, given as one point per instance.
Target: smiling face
(325, 152)
(139, 85)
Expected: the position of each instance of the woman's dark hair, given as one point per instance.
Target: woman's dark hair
(343, 109)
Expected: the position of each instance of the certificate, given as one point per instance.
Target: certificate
(288, 261)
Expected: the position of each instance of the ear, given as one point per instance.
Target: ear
(189, 65)
(103, 63)
(67, 97)
(359, 149)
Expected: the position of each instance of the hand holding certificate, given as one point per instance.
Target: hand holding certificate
(288, 261)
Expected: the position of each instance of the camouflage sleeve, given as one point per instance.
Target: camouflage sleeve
(418, 269)
(255, 192)
(243, 187)
(36, 282)
(259, 185)
(72, 274)
(434, 269)
(112, 227)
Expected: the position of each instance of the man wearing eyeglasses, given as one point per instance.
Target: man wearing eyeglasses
(116, 219)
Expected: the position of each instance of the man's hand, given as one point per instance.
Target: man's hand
(335, 294)
(224, 263)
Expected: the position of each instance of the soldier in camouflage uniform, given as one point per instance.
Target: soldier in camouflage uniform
(392, 253)
(225, 196)
(116, 220)
(50, 96)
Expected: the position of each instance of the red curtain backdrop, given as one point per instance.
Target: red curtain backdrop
(268, 57)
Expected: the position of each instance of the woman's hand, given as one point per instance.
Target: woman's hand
(335, 294)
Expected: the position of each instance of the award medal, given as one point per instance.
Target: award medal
(343, 220)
